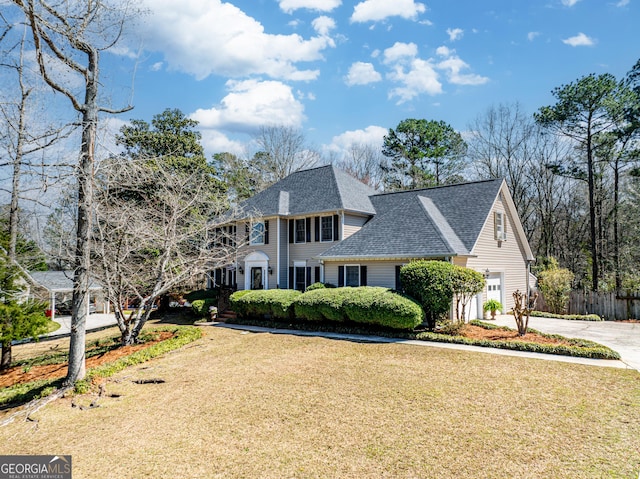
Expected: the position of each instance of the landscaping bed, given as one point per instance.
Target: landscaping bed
(476, 333)
(37, 376)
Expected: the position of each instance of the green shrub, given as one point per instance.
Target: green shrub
(430, 283)
(278, 303)
(202, 294)
(322, 304)
(366, 305)
(382, 307)
(555, 285)
(235, 301)
(200, 307)
(313, 286)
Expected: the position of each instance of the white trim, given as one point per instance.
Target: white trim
(256, 259)
(341, 227)
(296, 265)
(264, 228)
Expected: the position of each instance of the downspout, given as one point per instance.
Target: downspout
(278, 252)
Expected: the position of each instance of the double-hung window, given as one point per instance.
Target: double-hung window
(257, 233)
(352, 275)
(326, 228)
(301, 231)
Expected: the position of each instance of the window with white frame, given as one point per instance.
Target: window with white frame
(500, 221)
(301, 231)
(352, 275)
(257, 233)
(326, 228)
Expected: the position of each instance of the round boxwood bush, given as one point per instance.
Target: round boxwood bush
(202, 294)
(200, 307)
(313, 286)
(322, 304)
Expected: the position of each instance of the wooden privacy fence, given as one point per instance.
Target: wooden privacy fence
(609, 306)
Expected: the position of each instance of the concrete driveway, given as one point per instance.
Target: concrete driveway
(621, 337)
(94, 321)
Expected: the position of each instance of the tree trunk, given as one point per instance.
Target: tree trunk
(616, 239)
(81, 277)
(592, 216)
(5, 362)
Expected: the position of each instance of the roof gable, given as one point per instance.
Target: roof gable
(311, 191)
(434, 222)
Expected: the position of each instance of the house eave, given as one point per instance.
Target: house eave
(391, 257)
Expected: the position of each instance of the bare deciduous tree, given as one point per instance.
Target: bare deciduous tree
(155, 229)
(68, 36)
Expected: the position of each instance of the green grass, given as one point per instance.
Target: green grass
(579, 317)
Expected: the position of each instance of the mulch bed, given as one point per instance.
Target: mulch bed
(18, 375)
(476, 332)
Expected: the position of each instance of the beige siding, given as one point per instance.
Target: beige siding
(269, 249)
(501, 258)
(379, 273)
(353, 223)
(307, 251)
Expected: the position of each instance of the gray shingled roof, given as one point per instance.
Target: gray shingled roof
(433, 222)
(311, 191)
(57, 280)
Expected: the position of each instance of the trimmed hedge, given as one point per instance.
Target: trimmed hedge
(313, 286)
(579, 317)
(365, 305)
(323, 304)
(278, 303)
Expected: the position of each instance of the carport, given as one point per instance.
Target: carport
(48, 284)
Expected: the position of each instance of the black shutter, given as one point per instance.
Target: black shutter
(266, 231)
(246, 230)
(317, 227)
(224, 235)
(290, 277)
(218, 277)
(317, 274)
(291, 230)
(340, 276)
(363, 275)
(336, 228)
(398, 279)
(308, 228)
(308, 275)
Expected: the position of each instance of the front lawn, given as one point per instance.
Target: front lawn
(236, 405)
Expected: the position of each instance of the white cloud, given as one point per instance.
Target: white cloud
(419, 76)
(205, 37)
(580, 40)
(454, 65)
(372, 135)
(569, 3)
(377, 10)
(324, 25)
(216, 142)
(251, 104)
(443, 51)
(455, 33)
(157, 66)
(622, 3)
(289, 6)
(362, 73)
(531, 36)
(400, 51)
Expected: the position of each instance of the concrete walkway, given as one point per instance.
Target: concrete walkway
(94, 321)
(621, 337)
(462, 347)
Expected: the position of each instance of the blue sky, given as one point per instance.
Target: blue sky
(346, 71)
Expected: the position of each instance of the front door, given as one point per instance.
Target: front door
(256, 278)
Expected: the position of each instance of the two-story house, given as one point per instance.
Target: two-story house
(324, 225)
